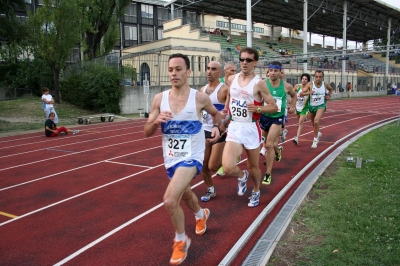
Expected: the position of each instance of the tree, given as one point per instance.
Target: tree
(12, 30)
(102, 18)
(56, 29)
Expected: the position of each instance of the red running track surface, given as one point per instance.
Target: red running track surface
(96, 197)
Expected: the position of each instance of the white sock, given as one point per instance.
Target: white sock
(211, 189)
(200, 214)
(180, 237)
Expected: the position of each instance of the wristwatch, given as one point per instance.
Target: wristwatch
(258, 110)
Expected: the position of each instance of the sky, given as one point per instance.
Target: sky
(395, 3)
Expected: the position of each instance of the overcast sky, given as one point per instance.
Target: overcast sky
(395, 3)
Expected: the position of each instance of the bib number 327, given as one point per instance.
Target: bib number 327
(178, 145)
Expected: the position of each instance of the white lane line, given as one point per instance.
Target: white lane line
(129, 164)
(78, 152)
(117, 124)
(73, 169)
(78, 195)
(77, 136)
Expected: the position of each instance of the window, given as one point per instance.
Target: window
(147, 14)
(130, 13)
(130, 33)
(40, 2)
(147, 34)
(178, 13)
(28, 1)
(147, 11)
(162, 14)
(160, 33)
(259, 30)
(220, 24)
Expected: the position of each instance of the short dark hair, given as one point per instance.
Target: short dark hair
(305, 75)
(45, 89)
(183, 56)
(319, 71)
(249, 50)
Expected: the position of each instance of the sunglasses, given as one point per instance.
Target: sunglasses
(248, 60)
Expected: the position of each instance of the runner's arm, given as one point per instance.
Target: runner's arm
(270, 106)
(155, 117)
(293, 97)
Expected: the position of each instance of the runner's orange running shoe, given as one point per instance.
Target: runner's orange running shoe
(179, 251)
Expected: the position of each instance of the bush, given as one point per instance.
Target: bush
(94, 87)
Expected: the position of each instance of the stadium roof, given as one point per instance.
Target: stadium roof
(366, 19)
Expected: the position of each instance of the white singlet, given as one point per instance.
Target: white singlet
(183, 137)
(318, 94)
(207, 118)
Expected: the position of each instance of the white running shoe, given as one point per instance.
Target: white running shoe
(296, 141)
(75, 132)
(314, 144)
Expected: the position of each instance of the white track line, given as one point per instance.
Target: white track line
(78, 195)
(129, 164)
(77, 168)
(78, 152)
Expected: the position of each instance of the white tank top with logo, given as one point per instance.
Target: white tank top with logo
(207, 118)
(318, 94)
(239, 97)
(183, 138)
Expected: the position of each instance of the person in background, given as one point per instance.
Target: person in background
(51, 129)
(48, 104)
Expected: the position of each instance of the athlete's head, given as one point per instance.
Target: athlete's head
(45, 90)
(178, 69)
(248, 60)
(52, 115)
(275, 70)
(229, 69)
(214, 71)
(318, 76)
(305, 78)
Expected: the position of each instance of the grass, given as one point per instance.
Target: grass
(26, 113)
(351, 216)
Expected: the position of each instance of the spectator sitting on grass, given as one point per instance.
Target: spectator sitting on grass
(51, 129)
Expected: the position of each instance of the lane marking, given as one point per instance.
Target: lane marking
(78, 152)
(78, 195)
(77, 168)
(52, 149)
(8, 215)
(107, 161)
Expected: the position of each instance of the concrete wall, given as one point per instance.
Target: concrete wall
(133, 98)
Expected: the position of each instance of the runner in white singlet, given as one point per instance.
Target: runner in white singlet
(178, 111)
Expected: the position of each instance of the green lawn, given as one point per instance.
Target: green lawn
(352, 215)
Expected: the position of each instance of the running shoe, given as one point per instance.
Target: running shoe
(75, 132)
(278, 156)
(262, 151)
(267, 179)
(254, 199)
(314, 144)
(179, 251)
(296, 141)
(283, 135)
(220, 171)
(242, 187)
(208, 195)
(201, 225)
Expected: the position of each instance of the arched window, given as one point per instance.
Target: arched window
(213, 58)
(144, 70)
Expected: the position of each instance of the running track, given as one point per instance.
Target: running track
(96, 198)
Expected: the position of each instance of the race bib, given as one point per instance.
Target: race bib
(204, 116)
(278, 102)
(238, 108)
(178, 145)
(317, 99)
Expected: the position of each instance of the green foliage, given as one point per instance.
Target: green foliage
(101, 22)
(129, 71)
(93, 88)
(55, 30)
